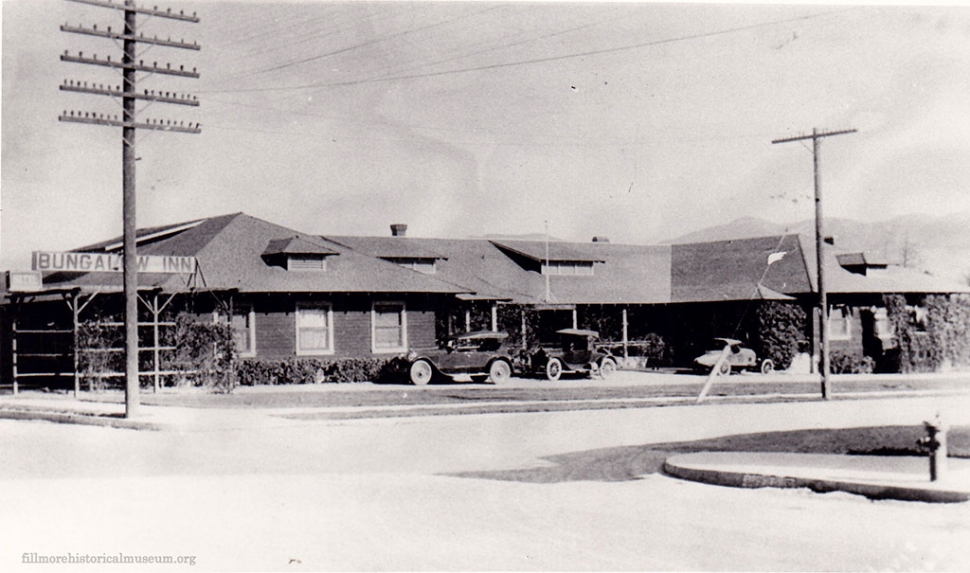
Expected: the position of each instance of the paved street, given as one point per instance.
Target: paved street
(379, 494)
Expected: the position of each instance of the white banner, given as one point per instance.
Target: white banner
(108, 263)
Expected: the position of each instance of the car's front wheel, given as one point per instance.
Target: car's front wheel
(767, 367)
(553, 369)
(421, 372)
(500, 372)
(607, 368)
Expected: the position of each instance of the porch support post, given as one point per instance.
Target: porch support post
(155, 358)
(13, 347)
(468, 320)
(75, 330)
(626, 339)
(494, 317)
(525, 345)
(575, 318)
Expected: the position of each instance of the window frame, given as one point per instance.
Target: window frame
(844, 333)
(294, 262)
(403, 312)
(250, 315)
(567, 268)
(321, 305)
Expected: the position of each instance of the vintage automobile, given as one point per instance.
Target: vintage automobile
(738, 358)
(575, 353)
(479, 355)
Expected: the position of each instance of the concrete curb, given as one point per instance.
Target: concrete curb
(686, 466)
(101, 420)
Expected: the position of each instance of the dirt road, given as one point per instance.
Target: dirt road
(386, 494)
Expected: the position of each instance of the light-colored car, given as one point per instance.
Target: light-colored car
(739, 358)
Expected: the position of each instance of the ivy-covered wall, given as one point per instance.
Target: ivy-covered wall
(932, 332)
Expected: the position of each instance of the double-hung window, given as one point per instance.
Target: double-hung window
(314, 328)
(840, 323)
(243, 328)
(389, 327)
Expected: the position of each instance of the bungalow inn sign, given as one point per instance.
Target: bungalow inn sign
(107, 262)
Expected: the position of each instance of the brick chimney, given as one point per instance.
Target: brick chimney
(399, 230)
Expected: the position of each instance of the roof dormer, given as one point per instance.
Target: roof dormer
(297, 253)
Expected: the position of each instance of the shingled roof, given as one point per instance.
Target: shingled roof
(237, 251)
(229, 251)
(623, 274)
(741, 269)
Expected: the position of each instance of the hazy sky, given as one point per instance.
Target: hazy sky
(636, 121)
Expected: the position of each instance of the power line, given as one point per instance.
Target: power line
(540, 60)
(501, 47)
(364, 44)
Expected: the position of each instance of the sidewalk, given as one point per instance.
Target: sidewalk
(63, 408)
(877, 477)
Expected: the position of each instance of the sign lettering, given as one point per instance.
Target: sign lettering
(109, 263)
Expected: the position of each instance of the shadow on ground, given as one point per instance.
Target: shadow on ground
(632, 462)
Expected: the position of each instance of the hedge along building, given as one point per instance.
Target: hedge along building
(291, 294)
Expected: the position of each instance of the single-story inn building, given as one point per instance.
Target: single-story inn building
(290, 294)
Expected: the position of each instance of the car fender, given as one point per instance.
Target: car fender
(506, 359)
(430, 360)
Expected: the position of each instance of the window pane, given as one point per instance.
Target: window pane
(388, 326)
(313, 317)
(387, 337)
(314, 339)
(387, 317)
(313, 328)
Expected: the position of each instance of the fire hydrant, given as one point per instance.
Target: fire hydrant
(935, 444)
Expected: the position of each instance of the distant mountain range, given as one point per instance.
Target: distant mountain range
(937, 245)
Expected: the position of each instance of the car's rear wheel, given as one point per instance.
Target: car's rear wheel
(500, 372)
(767, 367)
(724, 369)
(607, 368)
(421, 372)
(553, 369)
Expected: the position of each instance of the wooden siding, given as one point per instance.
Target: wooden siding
(276, 324)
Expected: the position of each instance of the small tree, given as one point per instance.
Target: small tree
(781, 326)
(204, 353)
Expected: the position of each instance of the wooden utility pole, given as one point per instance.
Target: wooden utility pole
(128, 94)
(822, 310)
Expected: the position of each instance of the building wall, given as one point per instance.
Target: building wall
(275, 322)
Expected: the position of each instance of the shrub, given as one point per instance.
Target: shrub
(204, 354)
(781, 326)
(841, 362)
(98, 344)
(259, 372)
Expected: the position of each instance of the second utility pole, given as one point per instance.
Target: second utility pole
(823, 362)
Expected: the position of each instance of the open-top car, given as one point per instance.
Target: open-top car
(576, 352)
(479, 355)
(738, 358)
